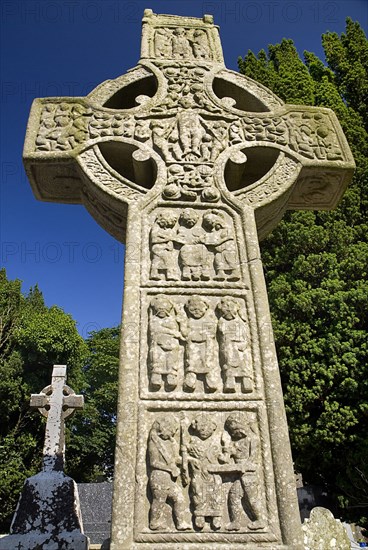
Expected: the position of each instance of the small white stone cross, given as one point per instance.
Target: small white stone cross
(56, 402)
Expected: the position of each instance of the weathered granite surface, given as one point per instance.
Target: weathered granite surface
(95, 504)
(323, 532)
(190, 164)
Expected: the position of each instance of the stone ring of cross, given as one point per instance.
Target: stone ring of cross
(41, 401)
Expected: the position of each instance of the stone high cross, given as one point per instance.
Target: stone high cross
(56, 402)
(190, 164)
(48, 512)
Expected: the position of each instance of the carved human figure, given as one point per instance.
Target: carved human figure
(200, 334)
(45, 140)
(162, 43)
(175, 179)
(142, 131)
(220, 237)
(299, 136)
(201, 183)
(220, 138)
(164, 344)
(56, 129)
(243, 450)
(162, 236)
(164, 461)
(160, 132)
(194, 258)
(205, 486)
(200, 45)
(234, 346)
(78, 130)
(62, 114)
(236, 134)
(190, 131)
(325, 145)
(180, 44)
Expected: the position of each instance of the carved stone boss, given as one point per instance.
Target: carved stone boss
(190, 164)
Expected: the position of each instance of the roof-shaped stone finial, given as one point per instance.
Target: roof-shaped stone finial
(184, 39)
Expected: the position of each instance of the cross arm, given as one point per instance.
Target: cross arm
(315, 135)
(57, 128)
(60, 131)
(71, 402)
(314, 138)
(38, 401)
(311, 170)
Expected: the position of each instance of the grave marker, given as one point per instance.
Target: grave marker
(48, 514)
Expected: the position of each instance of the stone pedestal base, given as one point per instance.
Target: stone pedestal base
(47, 516)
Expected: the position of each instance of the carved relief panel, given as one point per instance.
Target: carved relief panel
(204, 473)
(63, 126)
(189, 244)
(196, 345)
(181, 43)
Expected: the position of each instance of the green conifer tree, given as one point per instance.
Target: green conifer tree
(316, 269)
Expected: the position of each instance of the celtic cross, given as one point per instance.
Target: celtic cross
(48, 511)
(56, 401)
(190, 165)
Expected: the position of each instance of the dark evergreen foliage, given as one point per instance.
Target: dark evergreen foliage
(316, 269)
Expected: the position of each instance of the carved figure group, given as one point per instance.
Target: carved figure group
(202, 246)
(62, 127)
(186, 135)
(202, 460)
(199, 344)
(180, 43)
(312, 136)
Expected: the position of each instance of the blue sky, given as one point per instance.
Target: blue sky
(66, 48)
